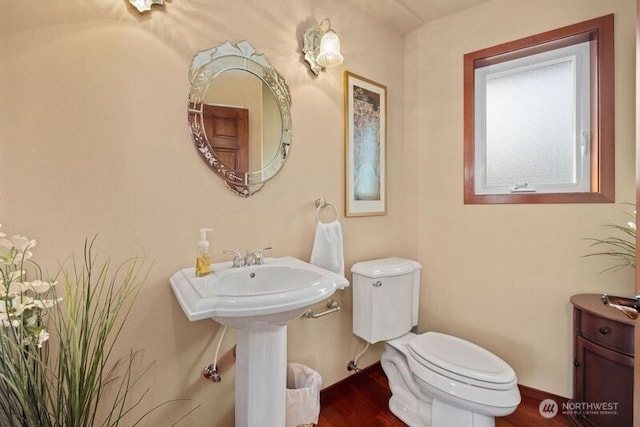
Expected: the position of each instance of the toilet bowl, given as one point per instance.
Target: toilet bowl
(469, 385)
(436, 380)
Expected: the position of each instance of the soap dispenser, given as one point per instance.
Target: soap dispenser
(203, 262)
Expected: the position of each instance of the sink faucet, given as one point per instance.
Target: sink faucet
(256, 257)
(238, 261)
(250, 258)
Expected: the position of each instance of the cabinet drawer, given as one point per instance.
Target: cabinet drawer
(608, 333)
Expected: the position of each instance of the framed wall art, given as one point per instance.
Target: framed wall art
(365, 108)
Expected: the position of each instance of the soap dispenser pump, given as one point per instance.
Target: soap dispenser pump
(203, 262)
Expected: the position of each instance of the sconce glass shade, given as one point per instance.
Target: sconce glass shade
(144, 5)
(321, 48)
(329, 55)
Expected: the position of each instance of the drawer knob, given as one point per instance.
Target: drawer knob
(604, 330)
(577, 364)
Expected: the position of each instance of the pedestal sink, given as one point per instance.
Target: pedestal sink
(257, 301)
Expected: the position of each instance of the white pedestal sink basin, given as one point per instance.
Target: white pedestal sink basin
(257, 301)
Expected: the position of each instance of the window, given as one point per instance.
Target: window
(539, 118)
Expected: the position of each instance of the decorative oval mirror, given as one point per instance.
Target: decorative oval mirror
(239, 115)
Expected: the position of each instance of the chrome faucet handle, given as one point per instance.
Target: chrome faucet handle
(238, 261)
(259, 255)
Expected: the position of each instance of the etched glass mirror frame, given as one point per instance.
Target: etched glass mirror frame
(205, 67)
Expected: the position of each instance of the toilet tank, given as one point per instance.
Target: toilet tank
(386, 293)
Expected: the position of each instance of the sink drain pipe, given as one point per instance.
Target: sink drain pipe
(210, 371)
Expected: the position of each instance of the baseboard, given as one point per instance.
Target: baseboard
(346, 380)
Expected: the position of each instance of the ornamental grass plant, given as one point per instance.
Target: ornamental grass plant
(75, 379)
(621, 246)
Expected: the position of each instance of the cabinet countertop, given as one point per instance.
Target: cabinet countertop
(591, 303)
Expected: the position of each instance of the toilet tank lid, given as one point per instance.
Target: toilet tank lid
(385, 267)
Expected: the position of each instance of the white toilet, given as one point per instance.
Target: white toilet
(436, 380)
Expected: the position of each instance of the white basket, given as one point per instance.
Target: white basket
(303, 396)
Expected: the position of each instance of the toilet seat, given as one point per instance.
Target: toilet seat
(462, 361)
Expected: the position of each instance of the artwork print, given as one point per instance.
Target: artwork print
(365, 142)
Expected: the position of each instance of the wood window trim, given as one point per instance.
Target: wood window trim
(603, 116)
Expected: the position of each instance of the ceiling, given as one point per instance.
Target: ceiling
(407, 15)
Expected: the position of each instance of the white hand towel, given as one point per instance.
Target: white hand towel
(327, 249)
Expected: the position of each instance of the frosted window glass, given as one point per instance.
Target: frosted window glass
(532, 121)
(530, 126)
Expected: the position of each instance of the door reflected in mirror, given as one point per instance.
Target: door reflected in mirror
(242, 121)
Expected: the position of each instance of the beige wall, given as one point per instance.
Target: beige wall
(94, 139)
(503, 275)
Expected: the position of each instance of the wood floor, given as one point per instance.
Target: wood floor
(362, 400)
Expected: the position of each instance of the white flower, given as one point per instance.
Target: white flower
(20, 243)
(15, 288)
(20, 303)
(14, 285)
(16, 275)
(6, 323)
(38, 286)
(632, 225)
(43, 335)
(17, 249)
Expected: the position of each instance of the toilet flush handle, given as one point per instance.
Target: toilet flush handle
(377, 284)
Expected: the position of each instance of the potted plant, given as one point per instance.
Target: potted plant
(621, 247)
(74, 378)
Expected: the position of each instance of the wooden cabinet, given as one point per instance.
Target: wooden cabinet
(603, 364)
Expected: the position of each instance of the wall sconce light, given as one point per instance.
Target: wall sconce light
(321, 47)
(144, 5)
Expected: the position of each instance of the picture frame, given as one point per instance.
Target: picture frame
(365, 134)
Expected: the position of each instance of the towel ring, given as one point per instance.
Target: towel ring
(322, 203)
